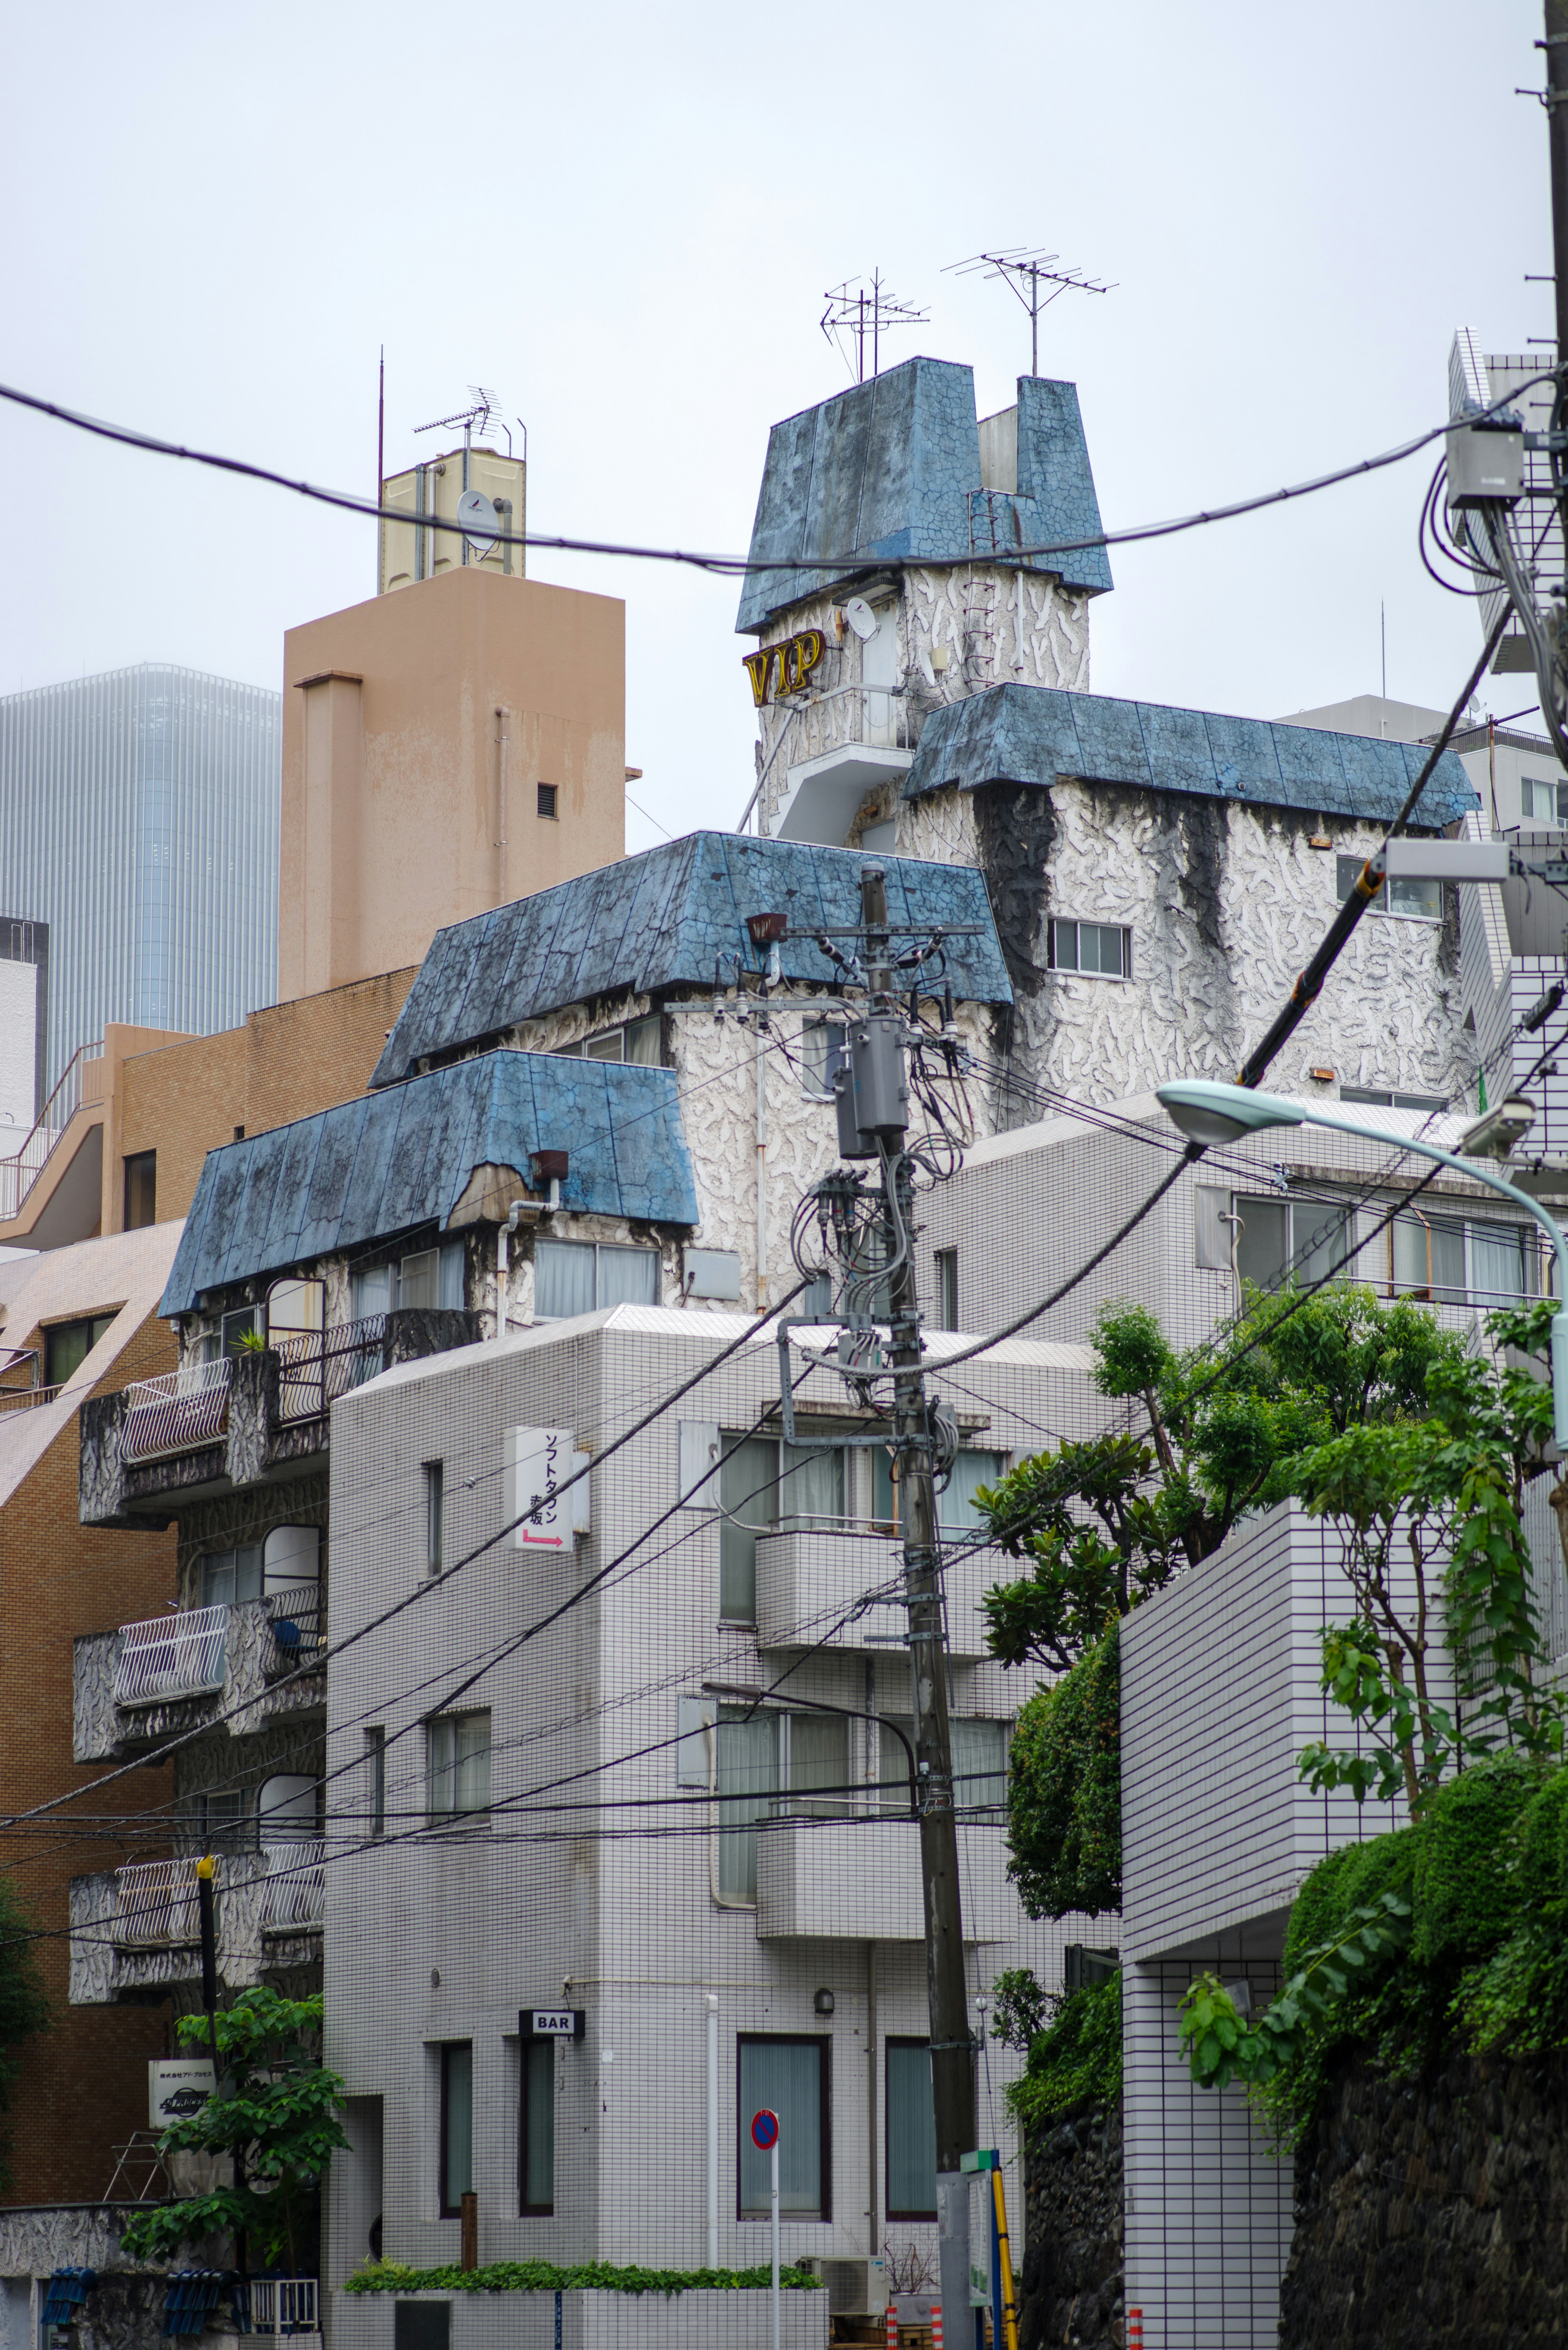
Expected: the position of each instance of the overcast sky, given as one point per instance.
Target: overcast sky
(625, 219)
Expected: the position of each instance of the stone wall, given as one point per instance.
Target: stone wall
(1434, 2212)
(1071, 2288)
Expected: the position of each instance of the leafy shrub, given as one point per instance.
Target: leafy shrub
(1076, 2062)
(544, 2276)
(1064, 1790)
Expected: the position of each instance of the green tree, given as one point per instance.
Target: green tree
(1106, 1524)
(275, 2113)
(23, 2002)
(1436, 1559)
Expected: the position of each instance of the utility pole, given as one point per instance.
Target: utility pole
(952, 2046)
(1555, 47)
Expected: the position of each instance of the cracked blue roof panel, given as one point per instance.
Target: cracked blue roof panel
(1033, 734)
(660, 921)
(392, 1162)
(890, 470)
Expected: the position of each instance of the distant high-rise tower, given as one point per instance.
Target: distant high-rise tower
(138, 821)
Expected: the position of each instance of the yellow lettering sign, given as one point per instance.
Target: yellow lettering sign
(756, 666)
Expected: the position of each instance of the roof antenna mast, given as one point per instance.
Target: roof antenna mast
(857, 313)
(1025, 272)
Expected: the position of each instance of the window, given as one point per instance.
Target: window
(456, 2125)
(893, 1764)
(289, 1809)
(68, 1344)
(229, 1577)
(1448, 1262)
(769, 1764)
(957, 1513)
(1098, 947)
(537, 2131)
(1393, 1101)
(911, 2117)
(821, 1053)
(459, 1766)
(1420, 901)
(1279, 1236)
(764, 1486)
(245, 1323)
(581, 1276)
(218, 1818)
(418, 1278)
(548, 799)
(140, 1190)
(1538, 800)
(980, 1763)
(435, 1503)
(947, 1289)
(638, 1041)
(791, 2078)
(375, 1780)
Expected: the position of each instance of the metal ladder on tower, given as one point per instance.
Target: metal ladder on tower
(980, 596)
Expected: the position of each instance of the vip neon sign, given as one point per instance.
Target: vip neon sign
(784, 668)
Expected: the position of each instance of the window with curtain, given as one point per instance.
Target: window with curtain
(456, 2125)
(230, 1575)
(980, 1763)
(811, 1486)
(536, 2142)
(581, 1277)
(746, 1767)
(1320, 1236)
(790, 2078)
(748, 1494)
(458, 1755)
(816, 1758)
(418, 1278)
(956, 1512)
(911, 2131)
(371, 1290)
(1502, 1265)
(1428, 1259)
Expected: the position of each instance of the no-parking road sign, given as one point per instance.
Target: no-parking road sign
(765, 2130)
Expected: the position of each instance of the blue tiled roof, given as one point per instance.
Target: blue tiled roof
(659, 921)
(371, 1169)
(891, 468)
(1032, 734)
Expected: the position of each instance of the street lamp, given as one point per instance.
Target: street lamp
(1216, 1114)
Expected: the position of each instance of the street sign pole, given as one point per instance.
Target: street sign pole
(766, 2138)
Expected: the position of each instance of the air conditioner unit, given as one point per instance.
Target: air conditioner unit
(856, 2288)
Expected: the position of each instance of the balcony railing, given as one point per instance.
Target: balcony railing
(299, 1626)
(172, 1657)
(25, 1398)
(318, 1366)
(285, 2306)
(157, 1902)
(176, 1413)
(18, 1174)
(294, 1890)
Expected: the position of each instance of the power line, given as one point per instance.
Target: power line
(737, 565)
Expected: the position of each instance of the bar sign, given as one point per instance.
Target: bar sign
(555, 2022)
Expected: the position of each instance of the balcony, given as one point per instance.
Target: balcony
(842, 745)
(209, 1427)
(136, 1932)
(144, 1682)
(808, 1579)
(858, 1880)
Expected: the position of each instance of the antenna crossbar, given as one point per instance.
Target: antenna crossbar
(1020, 267)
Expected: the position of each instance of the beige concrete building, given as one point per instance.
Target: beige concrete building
(444, 751)
(433, 493)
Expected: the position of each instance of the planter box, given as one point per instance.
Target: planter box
(741, 2320)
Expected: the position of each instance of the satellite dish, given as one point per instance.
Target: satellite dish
(860, 617)
(480, 521)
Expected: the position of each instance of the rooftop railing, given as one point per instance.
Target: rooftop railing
(20, 1172)
(157, 1902)
(172, 1656)
(318, 1366)
(27, 1398)
(175, 1413)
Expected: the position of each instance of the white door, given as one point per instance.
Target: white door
(879, 675)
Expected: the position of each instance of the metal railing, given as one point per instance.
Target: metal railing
(25, 1399)
(177, 1412)
(19, 1173)
(157, 1902)
(318, 1366)
(285, 2306)
(172, 1656)
(294, 1890)
(299, 1626)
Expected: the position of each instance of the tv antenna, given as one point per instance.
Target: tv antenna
(855, 313)
(1025, 272)
(482, 411)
